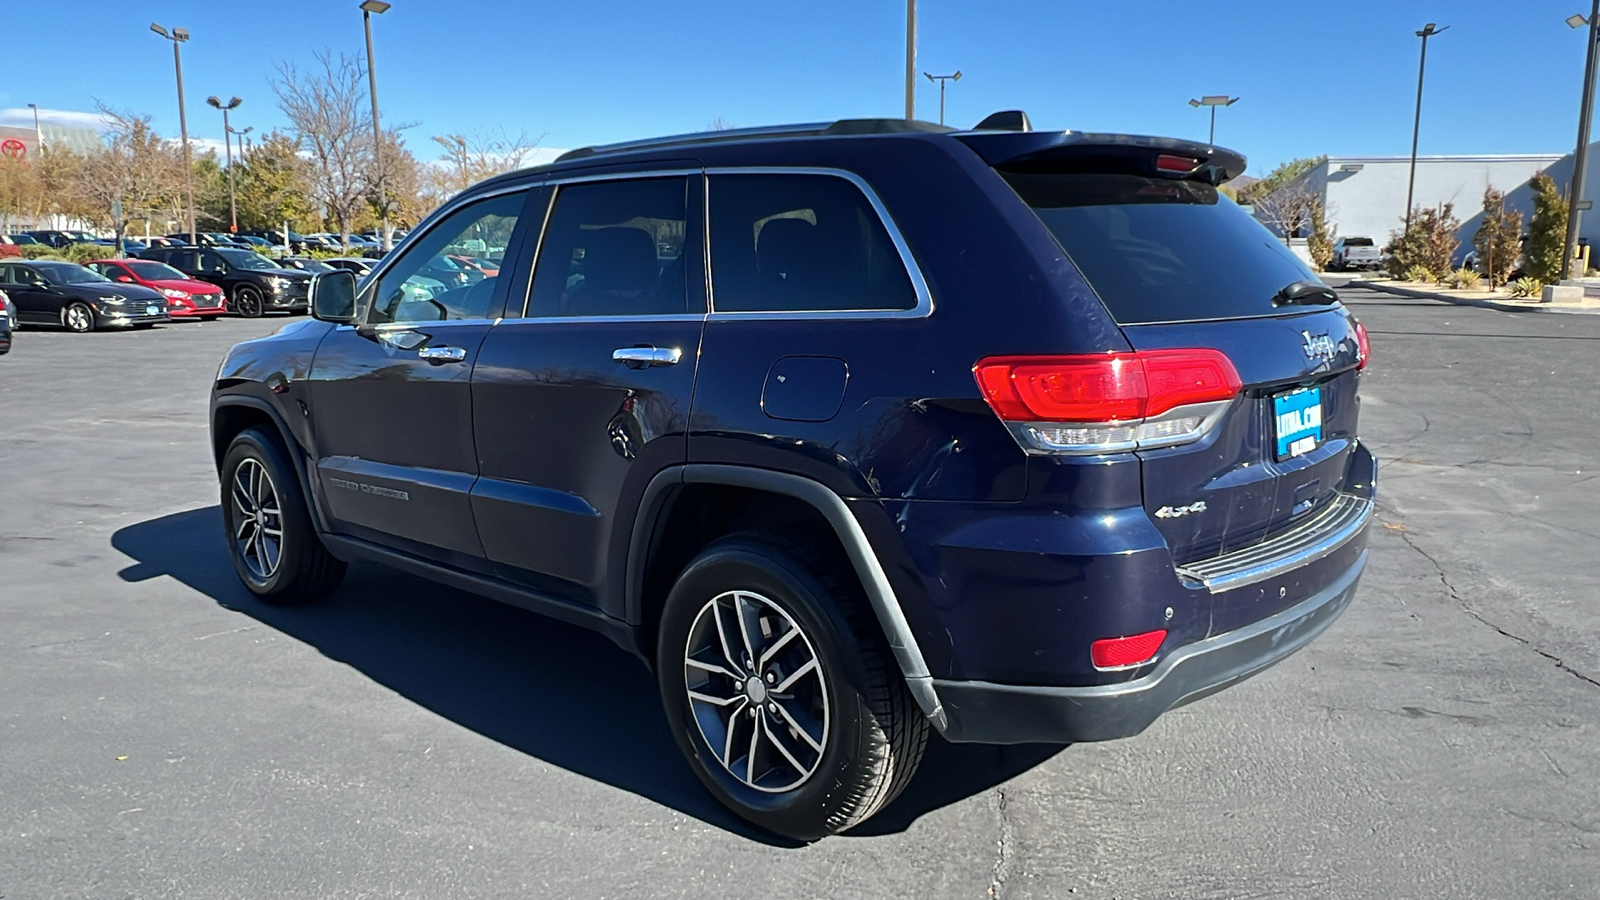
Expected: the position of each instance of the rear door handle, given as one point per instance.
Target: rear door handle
(438, 355)
(645, 357)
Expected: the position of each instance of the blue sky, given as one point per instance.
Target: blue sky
(1314, 77)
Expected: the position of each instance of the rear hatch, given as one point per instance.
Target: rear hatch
(1179, 265)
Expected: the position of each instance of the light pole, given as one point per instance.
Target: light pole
(244, 144)
(911, 59)
(1580, 156)
(38, 136)
(368, 7)
(1213, 101)
(233, 206)
(1427, 31)
(178, 36)
(942, 79)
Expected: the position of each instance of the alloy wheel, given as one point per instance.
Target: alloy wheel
(78, 318)
(757, 691)
(257, 519)
(247, 303)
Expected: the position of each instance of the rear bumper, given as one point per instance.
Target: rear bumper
(982, 712)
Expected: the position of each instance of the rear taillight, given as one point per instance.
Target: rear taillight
(1108, 402)
(1126, 652)
(1363, 347)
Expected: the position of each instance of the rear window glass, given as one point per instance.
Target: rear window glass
(1358, 242)
(1161, 250)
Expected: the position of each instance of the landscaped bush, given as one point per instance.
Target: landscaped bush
(1526, 287)
(1417, 273)
(1464, 279)
(82, 253)
(1429, 243)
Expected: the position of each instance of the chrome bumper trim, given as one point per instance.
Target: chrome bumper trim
(1311, 540)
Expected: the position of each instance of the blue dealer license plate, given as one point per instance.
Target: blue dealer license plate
(1297, 421)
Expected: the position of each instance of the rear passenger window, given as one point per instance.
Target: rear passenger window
(801, 243)
(614, 249)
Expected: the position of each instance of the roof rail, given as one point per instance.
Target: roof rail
(813, 129)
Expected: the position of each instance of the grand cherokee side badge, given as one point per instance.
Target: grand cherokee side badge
(1178, 512)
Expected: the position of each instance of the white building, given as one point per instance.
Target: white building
(1365, 196)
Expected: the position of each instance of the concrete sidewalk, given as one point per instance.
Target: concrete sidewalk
(1488, 299)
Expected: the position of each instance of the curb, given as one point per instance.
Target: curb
(1468, 301)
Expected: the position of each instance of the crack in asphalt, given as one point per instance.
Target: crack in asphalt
(1444, 579)
(1003, 847)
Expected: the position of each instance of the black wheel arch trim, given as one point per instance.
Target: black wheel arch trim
(863, 558)
(301, 457)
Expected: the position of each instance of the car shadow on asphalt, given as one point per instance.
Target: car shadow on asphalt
(553, 691)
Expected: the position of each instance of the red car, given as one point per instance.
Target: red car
(186, 298)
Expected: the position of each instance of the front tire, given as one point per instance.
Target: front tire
(247, 302)
(273, 545)
(781, 691)
(78, 318)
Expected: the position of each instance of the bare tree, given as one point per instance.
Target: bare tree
(720, 124)
(135, 171)
(327, 108)
(1287, 210)
(469, 159)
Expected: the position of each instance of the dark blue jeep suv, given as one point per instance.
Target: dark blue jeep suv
(851, 431)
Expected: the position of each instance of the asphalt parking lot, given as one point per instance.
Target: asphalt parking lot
(163, 735)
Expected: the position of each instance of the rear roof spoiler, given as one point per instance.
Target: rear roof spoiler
(1075, 151)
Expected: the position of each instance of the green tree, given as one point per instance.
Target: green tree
(1255, 191)
(1547, 231)
(1498, 238)
(272, 186)
(1320, 243)
(1429, 244)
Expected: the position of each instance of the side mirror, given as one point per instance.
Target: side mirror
(333, 297)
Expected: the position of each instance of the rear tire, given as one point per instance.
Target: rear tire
(804, 734)
(274, 547)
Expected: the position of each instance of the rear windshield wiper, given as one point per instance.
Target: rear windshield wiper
(1305, 293)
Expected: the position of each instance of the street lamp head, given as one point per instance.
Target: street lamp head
(1577, 21)
(956, 76)
(375, 6)
(181, 34)
(1214, 100)
(929, 76)
(1430, 29)
(234, 103)
(159, 30)
(213, 101)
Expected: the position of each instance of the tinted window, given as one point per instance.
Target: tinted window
(614, 249)
(1160, 250)
(68, 273)
(1358, 242)
(423, 286)
(801, 242)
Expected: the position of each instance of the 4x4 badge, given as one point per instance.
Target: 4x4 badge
(1319, 346)
(1175, 512)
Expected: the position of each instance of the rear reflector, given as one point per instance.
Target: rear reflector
(1125, 652)
(1363, 347)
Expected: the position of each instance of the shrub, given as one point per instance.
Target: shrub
(1417, 273)
(1430, 243)
(1320, 243)
(1547, 231)
(40, 251)
(82, 253)
(1464, 279)
(1526, 287)
(1499, 238)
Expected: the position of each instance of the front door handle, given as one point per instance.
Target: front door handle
(645, 357)
(437, 355)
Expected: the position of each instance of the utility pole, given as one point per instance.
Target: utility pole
(227, 139)
(1427, 31)
(911, 59)
(1580, 156)
(368, 7)
(942, 79)
(178, 36)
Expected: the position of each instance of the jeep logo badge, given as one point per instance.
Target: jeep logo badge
(1319, 346)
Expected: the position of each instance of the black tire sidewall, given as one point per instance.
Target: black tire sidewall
(298, 534)
(254, 307)
(802, 813)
